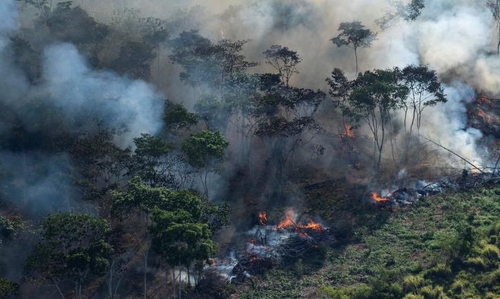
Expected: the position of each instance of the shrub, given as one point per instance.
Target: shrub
(475, 263)
(412, 283)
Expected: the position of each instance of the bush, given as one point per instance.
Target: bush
(413, 296)
(475, 263)
(439, 272)
(490, 252)
(331, 293)
(412, 283)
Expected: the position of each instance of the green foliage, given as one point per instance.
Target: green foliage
(177, 117)
(179, 238)
(205, 148)
(140, 197)
(182, 223)
(7, 288)
(74, 246)
(412, 283)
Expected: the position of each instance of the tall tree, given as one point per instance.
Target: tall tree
(208, 64)
(424, 90)
(178, 233)
(74, 246)
(205, 152)
(355, 35)
(284, 60)
(284, 116)
(372, 99)
(182, 223)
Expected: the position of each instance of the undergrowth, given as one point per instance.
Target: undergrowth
(446, 246)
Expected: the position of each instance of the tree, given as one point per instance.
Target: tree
(157, 163)
(354, 34)
(205, 152)
(73, 247)
(140, 199)
(182, 223)
(284, 61)
(425, 90)
(371, 98)
(178, 233)
(215, 111)
(101, 165)
(494, 6)
(208, 64)
(177, 117)
(406, 11)
(44, 7)
(284, 115)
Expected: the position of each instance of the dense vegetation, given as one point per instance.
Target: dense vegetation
(110, 190)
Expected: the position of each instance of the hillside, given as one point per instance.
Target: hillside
(249, 149)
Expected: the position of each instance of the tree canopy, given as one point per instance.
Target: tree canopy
(355, 35)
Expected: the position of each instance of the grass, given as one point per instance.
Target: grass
(446, 246)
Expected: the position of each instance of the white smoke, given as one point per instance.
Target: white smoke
(452, 36)
(84, 99)
(8, 15)
(113, 100)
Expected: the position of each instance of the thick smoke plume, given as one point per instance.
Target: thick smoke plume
(86, 101)
(455, 38)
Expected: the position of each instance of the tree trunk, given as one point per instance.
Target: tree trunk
(356, 57)
(110, 282)
(173, 282)
(56, 284)
(498, 45)
(146, 274)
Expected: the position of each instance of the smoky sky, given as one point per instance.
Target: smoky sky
(455, 38)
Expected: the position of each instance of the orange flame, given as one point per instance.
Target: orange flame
(379, 198)
(312, 225)
(262, 218)
(289, 220)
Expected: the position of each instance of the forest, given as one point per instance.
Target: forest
(249, 149)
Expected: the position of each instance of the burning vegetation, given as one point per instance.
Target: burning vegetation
(144, 146)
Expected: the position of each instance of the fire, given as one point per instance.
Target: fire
(312, 225)
(289, 220)
(485, 117)
(379, 198)
(262, 218)
(348, 131)
(482, 99)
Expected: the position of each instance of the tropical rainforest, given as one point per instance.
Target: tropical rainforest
(249, 149)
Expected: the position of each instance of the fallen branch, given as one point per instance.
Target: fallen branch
(447, 149)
